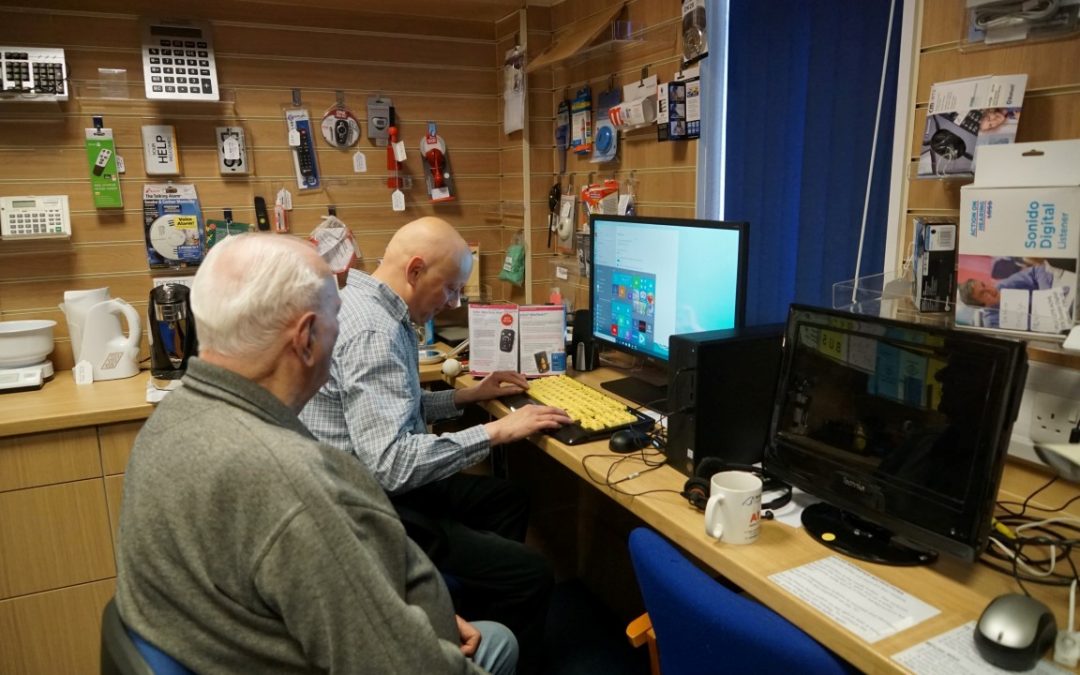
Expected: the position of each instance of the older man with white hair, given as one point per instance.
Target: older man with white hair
(245, 544)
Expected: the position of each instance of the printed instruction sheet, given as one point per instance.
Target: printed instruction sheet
(866, 605)
(953, 653)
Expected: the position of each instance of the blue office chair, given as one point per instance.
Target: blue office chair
(702, 627)
(123, 652)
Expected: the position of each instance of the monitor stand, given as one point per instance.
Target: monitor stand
(858, 538)
(647, 388)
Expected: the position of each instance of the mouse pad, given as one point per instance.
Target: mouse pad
(575, 434)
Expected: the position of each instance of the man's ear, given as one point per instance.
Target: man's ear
(303, 341)
(414, 268)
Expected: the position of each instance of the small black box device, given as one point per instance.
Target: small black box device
(721, 386)
(935, 264)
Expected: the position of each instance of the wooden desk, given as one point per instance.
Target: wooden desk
(959, 590)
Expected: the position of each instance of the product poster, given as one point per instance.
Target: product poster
(542, 340)
(493, 338)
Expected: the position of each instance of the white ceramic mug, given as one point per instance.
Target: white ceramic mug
(733, 512)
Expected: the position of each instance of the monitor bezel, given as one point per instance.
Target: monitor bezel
(743, 229)
(788, 460)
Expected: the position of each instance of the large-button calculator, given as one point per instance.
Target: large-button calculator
(178, 61)
(33, 74)
(34, 217)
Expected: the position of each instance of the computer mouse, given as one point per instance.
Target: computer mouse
(628, 440)
(1014, 631)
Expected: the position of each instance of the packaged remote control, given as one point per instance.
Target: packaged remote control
(302, 142)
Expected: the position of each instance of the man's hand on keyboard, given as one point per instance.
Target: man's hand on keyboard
(525, 421)
(501, 383)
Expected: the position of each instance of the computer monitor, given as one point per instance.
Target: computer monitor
(901, 429)
(657, 277)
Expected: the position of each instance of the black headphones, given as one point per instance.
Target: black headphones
(697, 487)
(948, 145)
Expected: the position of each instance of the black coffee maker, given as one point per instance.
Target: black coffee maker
(172, 333)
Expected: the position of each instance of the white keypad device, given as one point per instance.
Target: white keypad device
(33, 217)
(178, 61)
(33, 74)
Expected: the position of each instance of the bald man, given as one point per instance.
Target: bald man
(374, 407)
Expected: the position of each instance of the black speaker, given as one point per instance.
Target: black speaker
(583, 349)
(721, 386)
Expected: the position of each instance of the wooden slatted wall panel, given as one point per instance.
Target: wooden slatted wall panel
(1051, 102)
(439, 70)
(540, 143)
(664, 173)
(1051, 112)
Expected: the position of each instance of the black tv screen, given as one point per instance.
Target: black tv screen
(902, 425)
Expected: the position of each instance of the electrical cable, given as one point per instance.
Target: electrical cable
(607, 482)
(1024, 505)
(1034, 548)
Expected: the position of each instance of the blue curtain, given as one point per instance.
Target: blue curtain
(802, 94)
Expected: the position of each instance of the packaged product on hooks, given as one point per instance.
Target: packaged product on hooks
(335, 243)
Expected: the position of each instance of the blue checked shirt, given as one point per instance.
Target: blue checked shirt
(373, 405)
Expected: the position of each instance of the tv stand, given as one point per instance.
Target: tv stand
(640, 391)
(848, 534)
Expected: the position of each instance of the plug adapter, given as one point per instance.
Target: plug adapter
(1067, 648)
(1062, 457)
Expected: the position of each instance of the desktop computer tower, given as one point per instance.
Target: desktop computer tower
(721, 386)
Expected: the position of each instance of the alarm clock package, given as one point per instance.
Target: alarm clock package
(173, 226)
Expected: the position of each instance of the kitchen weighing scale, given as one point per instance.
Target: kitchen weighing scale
(26, 377)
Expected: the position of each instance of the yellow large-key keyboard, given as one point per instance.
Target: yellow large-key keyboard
(595, 414)
(592, 409)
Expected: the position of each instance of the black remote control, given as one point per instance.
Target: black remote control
(261, 217)
(304, 153)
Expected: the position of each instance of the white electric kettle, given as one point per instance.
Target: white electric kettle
(97, 335)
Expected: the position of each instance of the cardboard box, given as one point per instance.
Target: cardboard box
(1018, 242)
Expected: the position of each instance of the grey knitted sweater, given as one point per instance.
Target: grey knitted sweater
(246, 546)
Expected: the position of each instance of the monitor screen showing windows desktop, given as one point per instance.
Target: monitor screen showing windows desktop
(657, 277)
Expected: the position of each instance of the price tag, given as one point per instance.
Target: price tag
(231, 148)
(284, 199)
(120, 164)
(399, 151)
(397, 200)
(562, 272)
(294, 138)
(359, 163)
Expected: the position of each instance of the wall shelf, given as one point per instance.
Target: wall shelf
(582, 38)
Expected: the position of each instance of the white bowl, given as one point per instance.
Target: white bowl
(25, 343)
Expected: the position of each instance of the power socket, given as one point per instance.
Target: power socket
(1052, 418)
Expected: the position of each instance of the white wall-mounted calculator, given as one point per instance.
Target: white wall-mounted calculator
(178, 61)
(33, 217)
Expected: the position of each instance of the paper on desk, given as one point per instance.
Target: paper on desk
(869, 607)
(953, 653)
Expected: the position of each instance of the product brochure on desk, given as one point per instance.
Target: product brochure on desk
(528, 338)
